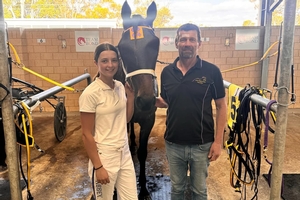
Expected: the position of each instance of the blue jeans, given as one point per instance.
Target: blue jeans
(179, 158)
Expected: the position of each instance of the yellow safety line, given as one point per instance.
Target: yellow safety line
(18, 63)
(47, 79)
(25, 107)
(28, 151)
(254, 63)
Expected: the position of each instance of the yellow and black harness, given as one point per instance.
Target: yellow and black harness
(244, 149)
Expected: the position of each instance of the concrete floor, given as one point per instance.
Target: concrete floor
(61, 172)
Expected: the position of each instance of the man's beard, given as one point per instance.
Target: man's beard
(187, 52)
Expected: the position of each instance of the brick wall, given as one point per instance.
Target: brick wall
(62, 64)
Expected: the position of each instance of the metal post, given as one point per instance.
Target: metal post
(256, 98)
(8, 117)
(267, 34)
(262, 13)
(283, 97)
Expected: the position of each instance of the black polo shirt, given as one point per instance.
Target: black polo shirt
(189, 97)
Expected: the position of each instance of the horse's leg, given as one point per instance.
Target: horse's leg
(132, 138)
(146, 127)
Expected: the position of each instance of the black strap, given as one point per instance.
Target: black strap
(7, 92)
(245, 164)
(278, 57)
(293, 98)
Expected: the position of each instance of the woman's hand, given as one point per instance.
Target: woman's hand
(129, 91)
(102, 176)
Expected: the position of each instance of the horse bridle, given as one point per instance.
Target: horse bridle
(139, 72)
(135, 34)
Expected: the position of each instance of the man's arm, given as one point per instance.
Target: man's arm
(221, 108)
(160, 103)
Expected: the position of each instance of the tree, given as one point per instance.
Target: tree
(88, 9)
(278, 13)
(248, 23)
(163, 17)
(43, 8)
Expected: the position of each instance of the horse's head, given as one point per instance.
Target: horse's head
(139, 50)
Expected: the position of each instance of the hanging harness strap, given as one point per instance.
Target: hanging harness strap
(244, 167)
(257, 115)
(25, 139)
(278, 57)
(266, 142)
(293, 98)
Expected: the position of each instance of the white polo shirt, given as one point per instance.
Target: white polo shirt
(109, 105)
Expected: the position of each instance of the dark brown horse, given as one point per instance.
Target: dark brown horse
(139, 49)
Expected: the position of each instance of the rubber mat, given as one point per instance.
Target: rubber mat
(159, 187)
(291, 186)
(5, 189)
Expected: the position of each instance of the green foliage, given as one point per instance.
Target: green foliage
(278, 13)
(248, 23)
(88, 9)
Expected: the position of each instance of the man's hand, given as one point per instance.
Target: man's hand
(215, 151)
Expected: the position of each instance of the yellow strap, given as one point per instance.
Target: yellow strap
(26, 109)
(254, 63)
(233, 104)
(28, 151)
(18, 62)
(47, 79)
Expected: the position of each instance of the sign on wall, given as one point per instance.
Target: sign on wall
(86, 41)
(247, 39)
(167, 40)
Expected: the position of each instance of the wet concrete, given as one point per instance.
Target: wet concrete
(61, 172)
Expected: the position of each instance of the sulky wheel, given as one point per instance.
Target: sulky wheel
(60, 121)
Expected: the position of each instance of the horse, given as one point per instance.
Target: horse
(139, 47)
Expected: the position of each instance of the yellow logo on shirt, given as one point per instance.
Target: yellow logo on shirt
(200, 80)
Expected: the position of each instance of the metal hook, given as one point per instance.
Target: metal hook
(293, 94)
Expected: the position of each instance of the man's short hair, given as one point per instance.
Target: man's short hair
(188, 27)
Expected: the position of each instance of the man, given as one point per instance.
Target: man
(188, 87)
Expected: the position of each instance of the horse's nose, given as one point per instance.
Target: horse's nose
(145, 103)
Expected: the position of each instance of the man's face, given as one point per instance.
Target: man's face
(188, 44)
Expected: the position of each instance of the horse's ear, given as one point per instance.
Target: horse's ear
(125, 13)
(151, 13)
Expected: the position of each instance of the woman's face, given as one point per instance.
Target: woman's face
(107, 64)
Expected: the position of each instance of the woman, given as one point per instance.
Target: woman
(104, 113)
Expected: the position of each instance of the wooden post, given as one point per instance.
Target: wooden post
(8, 117)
